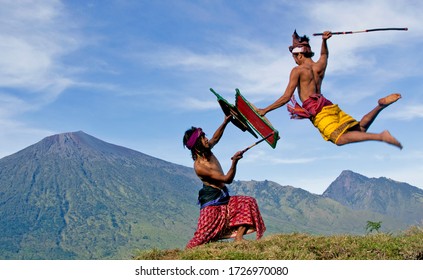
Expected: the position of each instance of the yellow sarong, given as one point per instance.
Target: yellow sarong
(332, 122)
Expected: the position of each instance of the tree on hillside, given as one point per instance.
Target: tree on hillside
(371, 226)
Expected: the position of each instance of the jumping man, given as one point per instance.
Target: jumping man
(334, 124)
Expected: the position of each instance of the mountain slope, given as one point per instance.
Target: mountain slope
(74, 196)
(287, 209)
(380, 195)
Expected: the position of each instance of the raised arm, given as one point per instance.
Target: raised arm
(289, 91)
(324, 54)
(219, 132)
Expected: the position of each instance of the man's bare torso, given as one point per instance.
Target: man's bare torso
(309, 80)
(214, 166)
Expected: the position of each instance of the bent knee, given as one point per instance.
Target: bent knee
(340, 141)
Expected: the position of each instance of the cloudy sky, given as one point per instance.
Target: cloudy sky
(138, 73)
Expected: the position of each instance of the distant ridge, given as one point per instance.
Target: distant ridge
(73, 196)
(380, 195)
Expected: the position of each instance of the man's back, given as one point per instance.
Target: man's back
(309, 79)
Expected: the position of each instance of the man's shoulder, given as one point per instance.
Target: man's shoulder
(300, 69)
(203, 161)
(200, 161)
(296, 70)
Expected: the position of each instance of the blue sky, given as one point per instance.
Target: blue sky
(138, 73)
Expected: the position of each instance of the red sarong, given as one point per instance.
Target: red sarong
(219, 222)
(311, 106)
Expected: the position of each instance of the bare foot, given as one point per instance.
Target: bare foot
(239, 240)
(388, 138)
(388, 100)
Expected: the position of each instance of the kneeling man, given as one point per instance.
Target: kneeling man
(221, 215)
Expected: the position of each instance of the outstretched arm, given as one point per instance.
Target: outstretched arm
(219, 131)
(290, 89)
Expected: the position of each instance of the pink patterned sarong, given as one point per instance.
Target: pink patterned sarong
(310, 108)
(220, 222)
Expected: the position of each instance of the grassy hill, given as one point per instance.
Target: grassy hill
(298, 246)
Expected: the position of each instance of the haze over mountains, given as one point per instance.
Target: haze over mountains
(73, 196)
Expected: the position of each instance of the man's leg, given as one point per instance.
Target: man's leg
(240, 233)
(368, 119)
(354, 136)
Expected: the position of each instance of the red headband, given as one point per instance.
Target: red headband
(194, 136)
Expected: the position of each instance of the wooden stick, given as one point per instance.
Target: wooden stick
(362, 31)
(256, 143)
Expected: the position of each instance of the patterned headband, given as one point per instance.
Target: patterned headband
(194, 136)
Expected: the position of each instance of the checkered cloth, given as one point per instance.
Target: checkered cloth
(220, 222)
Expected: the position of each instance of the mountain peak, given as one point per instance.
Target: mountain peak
(379, 195)
(66, 136)
(76, 143)
(345, 180)
(349, 174)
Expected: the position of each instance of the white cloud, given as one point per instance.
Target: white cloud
(356, 51)
(361, 15)
(261, 70)
(15, 135)
(245, 65)
(34, 37)
(407, 113)
(194, 104)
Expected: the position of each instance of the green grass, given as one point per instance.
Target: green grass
(297, 246)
